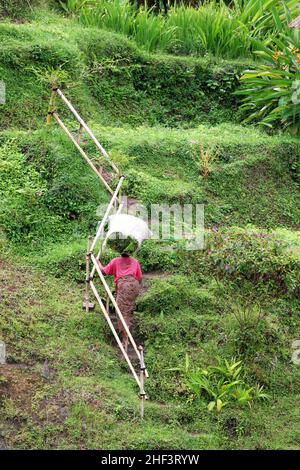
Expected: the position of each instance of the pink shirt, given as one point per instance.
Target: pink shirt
(120, 267)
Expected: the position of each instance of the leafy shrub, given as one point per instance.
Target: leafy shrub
(255, 256)
(20, 191)
(17, 8)
(271, 91)
(168, 296)
(222, 384)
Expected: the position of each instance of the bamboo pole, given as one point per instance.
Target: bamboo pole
(115, 201)
(119, 313)
(51, 105)
(109, 207)
(105, 241)
(87, 276)
(87, 129)
(107, 304)
(79, 134)
(142, 379)
(115, 333)
(82, 152)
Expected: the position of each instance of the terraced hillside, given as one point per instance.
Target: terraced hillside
(172, 125)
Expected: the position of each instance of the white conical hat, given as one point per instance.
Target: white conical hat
(128, 226)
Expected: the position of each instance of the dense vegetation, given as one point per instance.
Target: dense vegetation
(224, 30)
(218, 324)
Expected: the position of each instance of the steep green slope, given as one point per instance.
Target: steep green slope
(236, 298)
(64, 386)
(110, 77)
(161, 166)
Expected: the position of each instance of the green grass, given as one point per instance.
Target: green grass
(110, 78)
(236, 298)
(90, 400)
(211, 27)
(56, 195)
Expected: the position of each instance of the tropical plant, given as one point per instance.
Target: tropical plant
(116, 16)
(73, 7)
(272, 91)
(259, 14)
(212, 28)
(154, 32)
(221, 384)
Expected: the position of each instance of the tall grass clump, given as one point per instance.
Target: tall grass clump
(211, 28)
(149, 31)
(116, 16)
(214, 27)
(154, 32)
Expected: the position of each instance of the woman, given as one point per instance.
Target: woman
(127, 276)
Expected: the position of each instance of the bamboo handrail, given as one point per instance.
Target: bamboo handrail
(109, 207)
(87, 277)
(82, 152)
(142, 377)
(113, 300)
(115, 333)
(116, 202)
(86, 128)
(51, 106)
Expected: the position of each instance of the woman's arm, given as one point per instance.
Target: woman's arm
(108, 270)
(100, 265)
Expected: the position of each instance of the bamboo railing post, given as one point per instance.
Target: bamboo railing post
(107, 303)
(82, 152)
(142, 380)
(51, 104)
(87, 129)
(79, 134)
(105, 217)
(88, 306)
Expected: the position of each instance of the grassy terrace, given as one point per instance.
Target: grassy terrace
(173, 126)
